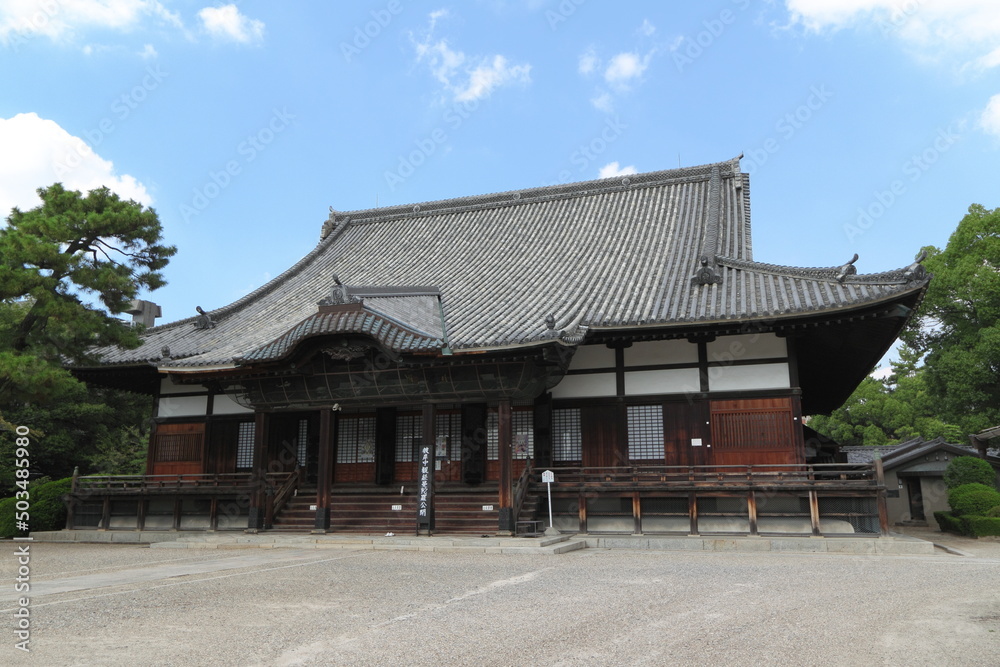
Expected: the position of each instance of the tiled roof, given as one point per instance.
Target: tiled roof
(610, 254)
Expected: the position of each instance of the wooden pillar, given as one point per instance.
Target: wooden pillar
(637, 513)
(693, 513)
(883, 511)
(752, 511)
(324, 475)
(814, 513)
(505, 456)
(258, 499)
(542, 422)
(385, 445)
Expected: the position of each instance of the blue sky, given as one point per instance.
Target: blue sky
(867, 126)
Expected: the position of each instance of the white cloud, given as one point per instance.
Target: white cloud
(603, 102)
(625, 67)
(588, 62)
(990, 118)
(647, 29)
(612, 169)
(38, 152)
(61, 20)
(226, 22)
(960, 26)
(147, 52)
(487, 76)
(465, 78)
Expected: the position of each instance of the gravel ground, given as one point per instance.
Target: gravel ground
(592, 607)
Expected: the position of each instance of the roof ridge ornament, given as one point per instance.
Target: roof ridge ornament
(708, 273)
(338, 294)
(204, 320)
(916, 271)
(847, 269)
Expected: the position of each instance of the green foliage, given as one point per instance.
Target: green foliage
(54, 260)
(969, 470)
(973, 499)
(958, 324)
(885, 412)
(46, 511)
(995, 512)
(982, 526)
(949, 523)
(67, 267)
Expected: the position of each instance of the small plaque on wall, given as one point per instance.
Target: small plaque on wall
(696, 442)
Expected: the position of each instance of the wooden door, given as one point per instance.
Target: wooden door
(685, 434)
(178, 449)
(599, 431)
(754, 431)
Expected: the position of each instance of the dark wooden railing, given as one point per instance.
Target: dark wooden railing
(144, 484)
(521, 489)
(283, 492)
(843, 476)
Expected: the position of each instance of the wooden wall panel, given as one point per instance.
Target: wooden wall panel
(179, 449)
(755, 431)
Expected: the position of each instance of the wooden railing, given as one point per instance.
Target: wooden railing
(144, 484)
(281, 496)
(842, 476)
(521, 489)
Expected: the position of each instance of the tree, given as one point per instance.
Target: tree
(67, 267)
(886, 412)
(958, 325)
(53, 259)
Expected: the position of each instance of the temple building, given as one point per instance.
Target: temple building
(422, 366)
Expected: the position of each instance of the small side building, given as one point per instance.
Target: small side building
(914, 476)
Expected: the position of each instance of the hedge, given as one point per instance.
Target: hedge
(970, 526)
(46, 509)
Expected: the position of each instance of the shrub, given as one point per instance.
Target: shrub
(46, 512)
(973, 499)
(949, 523)
(981, 526)
(969, 470)
(994, 512)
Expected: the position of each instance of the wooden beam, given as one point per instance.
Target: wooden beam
(752, 511)
(255, 521)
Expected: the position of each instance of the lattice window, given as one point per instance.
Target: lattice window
(645, 432)
(449, 427)
(409, 429)
(752, 429)
(244, 446)
(567, 438)
(356, 439)
(522, 434)
(178, 447)
(302, 451)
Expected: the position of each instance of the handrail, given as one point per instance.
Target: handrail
(145, 483)
(286, 490)
(521, 488)
(820, 475)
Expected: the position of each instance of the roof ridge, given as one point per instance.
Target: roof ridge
(899, 276)
(727, 168)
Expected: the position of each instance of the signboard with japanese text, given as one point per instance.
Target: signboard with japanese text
(425, 488)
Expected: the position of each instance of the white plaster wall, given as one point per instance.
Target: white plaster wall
(661, 352)
(677, 381)
(182, 406)
(167, 386)
(224, 405)
(755, 376)
(585, 386)
(592, 356)
(747, 346)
